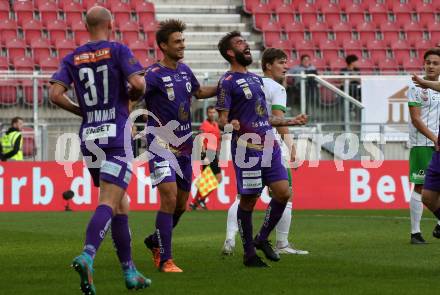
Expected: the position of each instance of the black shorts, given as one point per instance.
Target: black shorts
(214, 165)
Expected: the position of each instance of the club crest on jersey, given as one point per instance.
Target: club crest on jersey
(188, 87)
(247, 92)
(183, 115)
(260, 110)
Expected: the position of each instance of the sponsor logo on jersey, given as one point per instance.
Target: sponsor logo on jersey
(240, 81)
(166, 79)
(247, 92)
(170, 93)
(183, 115)
(92, 56)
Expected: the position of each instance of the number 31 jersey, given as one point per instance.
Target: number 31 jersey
(99, 72)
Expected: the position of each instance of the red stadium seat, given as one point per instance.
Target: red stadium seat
(353, 45)
(29, 147)
(413, 37)
(32, 30)
(305, 7)
(121, 12)
(319, 63)
(87, 4)
(80, 32)
(401, 56)
(304, 45)
(48, 11)
(40, 48)
(367, 31)
(331, 12)
(8, 30)
(4, 63)
(64, 47)
(150, 32)
(319, 31)
(337, 64)
(4, 10)
(376, 44)
(140, 49)
(8, 92)
(387, 65)
(285, 15)
(271, 38)
(16, 47)
(28, 92)
(73, 11)
(294, 27)
(434, 31)
(343, 31)
(355, 12)
(24, 11)
(330, 54)
(325, 44)
(400, 45)
(412, 26)
(57, 30)
(295, 36)
(282, 44)
(249, 5)
(378, 54)
(411, 65)
(274, 4)
(130, 31)
(261, 18)
(365, 65)
(145, 12)
(48, 64)
(23, 63)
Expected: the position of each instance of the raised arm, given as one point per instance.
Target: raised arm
(422, 83)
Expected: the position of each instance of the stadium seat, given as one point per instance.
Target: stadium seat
(325, 44)
(413, 37)
(29, 147)
(303, 45)
(367, 31)
(48, 64)
(331, 12)
(150, 32)
(48, 11)
(274, 4)
(23, 63)
(8, 92)
(32, 30)
(4, 63)
(4, 10)
(294, 27)
(365, 65)
(295, 36)
(355, 12)
(343, 31)
(319, 63)
(16, 47)
(282, 44)
(376, 44)
(399, 45)
(145, 11)
(140, 49)
(402, 55)
(87, 4)
(130, 31)
(28, 92)
(425, 19)
(387, 65)
(337, 64)
(319, 31)
(64, 47)
(121, 12)
(8, 30)
(378, 54)
(412, 64)
(73, 11)
(80, 32)
(249, 5)
(284, 14)
(40, 48)
(24, 11)
(261, 18)
(434, 31)
(57, 30)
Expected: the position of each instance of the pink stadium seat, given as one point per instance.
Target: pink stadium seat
(32, 30)
(249, 5)
(271, 27)
(8, 30)
(49, 64)
(121, 11)
(8, 92)
(28, 92)
(354, 11)
(4, 63)
(73, 10)
(16, 47)
(305, 7)
(434, 30)
(388, 27)
(129, 31)
(319, 31)
(24, 11)
(40, 48)
(337, 64)
(23, 63)
(64, 47)
(57, 30)
(399, 7)
(426, 19)
(414, 64)
(48, 11)
(261, 18)
(294, 27)
(135, 3)
(4, 10)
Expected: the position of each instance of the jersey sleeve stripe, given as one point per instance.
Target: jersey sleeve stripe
(414, 104)
(279, 107)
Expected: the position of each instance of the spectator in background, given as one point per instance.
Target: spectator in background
(354, 88)
(294, 84)
(12, 141)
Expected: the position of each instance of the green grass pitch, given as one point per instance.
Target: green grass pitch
(352, 252)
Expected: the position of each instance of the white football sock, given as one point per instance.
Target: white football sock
(283, 226)
(416, 211)
(231, 225)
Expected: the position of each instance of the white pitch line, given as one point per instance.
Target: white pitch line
(364, 217)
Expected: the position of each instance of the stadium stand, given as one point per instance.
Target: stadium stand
(387, 30)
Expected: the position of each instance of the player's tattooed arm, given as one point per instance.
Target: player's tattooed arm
(57, 95)
(206, 92)
(136, 89)
(422, 83)
(416, 120)
(276, 121)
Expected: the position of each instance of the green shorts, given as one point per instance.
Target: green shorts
(419, 158)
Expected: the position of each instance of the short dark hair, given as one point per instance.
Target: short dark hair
(351, 59)
(225, 44)
(431, 51)
(16, 119)
(270, 55)
(210, 108)
(166, 28)
(304, 56)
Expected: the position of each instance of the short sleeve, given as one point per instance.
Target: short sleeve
(224, 90)
(279, 99)
(62, 75)
(151, 80)
(195, 85)
(128, 63)
(414, 96)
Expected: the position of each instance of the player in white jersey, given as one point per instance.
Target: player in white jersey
(424, 109)
(274, 63)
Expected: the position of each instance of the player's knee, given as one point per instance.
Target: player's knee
(284, 195)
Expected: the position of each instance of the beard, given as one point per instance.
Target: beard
(242, 59)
